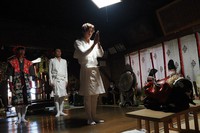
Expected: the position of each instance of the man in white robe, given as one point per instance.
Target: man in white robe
(91, 85)
(58, 79)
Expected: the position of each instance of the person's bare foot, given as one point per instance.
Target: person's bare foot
(24, 120)
(18, 121)
(57, 115)
(62, 113)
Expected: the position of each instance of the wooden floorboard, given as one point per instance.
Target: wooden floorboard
(75, 122)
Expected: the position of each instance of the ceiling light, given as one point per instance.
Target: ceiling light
(103, 3)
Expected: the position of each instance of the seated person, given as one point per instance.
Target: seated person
(173, 74)
(151, 81)
(111, 92)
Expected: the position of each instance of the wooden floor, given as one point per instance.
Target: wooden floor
(75, 122)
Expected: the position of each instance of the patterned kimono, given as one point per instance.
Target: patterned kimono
(20, 71)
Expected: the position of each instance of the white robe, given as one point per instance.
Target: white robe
(90, 78)
(58, 76)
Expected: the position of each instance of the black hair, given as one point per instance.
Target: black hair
(171, 65)
(54, 50)
(18, 48)
(153, 72)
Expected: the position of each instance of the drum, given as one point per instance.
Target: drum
(126, 85)
(127, 81)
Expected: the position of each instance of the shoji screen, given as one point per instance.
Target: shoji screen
(158, 61)
(146, 64)
(190, 56)
(172, 52)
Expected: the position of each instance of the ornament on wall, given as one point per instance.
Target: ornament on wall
(161, 69)
(168, 52)
(176, 64)
(193, 63)
(149, 69)
(188, 77)
(184, 49)
(143, 60)
(155, 56)
(138, 73)
(133, 62)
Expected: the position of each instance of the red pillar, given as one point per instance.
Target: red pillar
(181, 57)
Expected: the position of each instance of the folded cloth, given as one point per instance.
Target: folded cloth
(135, 131)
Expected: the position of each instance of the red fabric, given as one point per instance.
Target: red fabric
(152, 63)
(198, 43)
(140, 68)
(149, 84)
(160, 92)
(164, 58)
(15, 64)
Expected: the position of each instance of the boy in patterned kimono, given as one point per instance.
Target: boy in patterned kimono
(20, 72)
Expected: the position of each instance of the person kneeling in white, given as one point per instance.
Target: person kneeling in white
(58, 79)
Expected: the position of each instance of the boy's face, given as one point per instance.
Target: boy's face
(88, 34)
(58, 53)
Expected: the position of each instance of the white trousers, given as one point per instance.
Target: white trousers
(90, 103)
